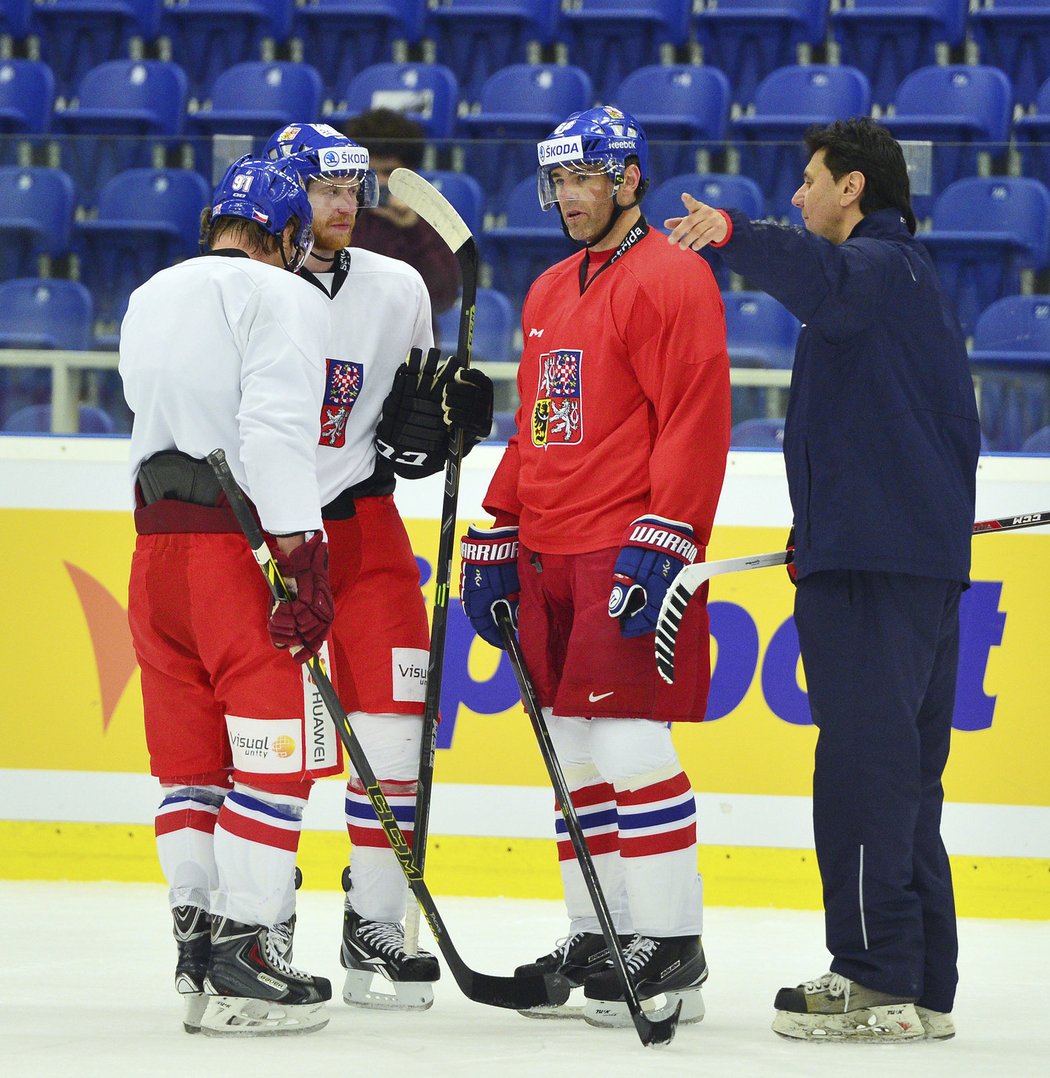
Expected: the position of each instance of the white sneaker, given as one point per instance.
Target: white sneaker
(833, 1008)
(937, 1025)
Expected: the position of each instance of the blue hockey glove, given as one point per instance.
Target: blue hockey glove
(654, 551)
(489, 573)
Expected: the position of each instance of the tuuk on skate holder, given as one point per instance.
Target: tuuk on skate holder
(650, 1032)
(689, 580)
(430, 204)
(513, 993)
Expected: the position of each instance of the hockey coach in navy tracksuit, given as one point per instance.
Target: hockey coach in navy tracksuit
(881, 444)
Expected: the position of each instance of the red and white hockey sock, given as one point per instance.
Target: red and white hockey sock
(595, 806)
(657, 824)
(185, 827)
(256, 839)
(379, 891)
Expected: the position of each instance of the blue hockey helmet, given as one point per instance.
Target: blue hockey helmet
(269, 195)
(320, 152)
(603, 137)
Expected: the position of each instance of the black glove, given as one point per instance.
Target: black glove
(790, 548)
(467, 403)
(412, 433)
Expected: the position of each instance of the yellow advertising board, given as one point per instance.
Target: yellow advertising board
(72, 705)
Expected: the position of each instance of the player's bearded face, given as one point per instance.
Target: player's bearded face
(585, 197)
(335, 213)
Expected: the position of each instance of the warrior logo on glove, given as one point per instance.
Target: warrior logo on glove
(654, 552)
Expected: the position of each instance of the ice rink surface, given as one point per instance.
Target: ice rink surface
(87, 991)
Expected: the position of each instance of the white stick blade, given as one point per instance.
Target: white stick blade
(430, 204)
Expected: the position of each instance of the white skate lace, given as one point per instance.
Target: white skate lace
(388, 937)
(274, 948)
(833, 983)
(638, 952)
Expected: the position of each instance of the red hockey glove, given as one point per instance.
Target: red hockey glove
(654, 552)
(305, 620)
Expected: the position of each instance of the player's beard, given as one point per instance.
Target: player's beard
(331, 239)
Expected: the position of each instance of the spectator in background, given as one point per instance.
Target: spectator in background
(392, 228)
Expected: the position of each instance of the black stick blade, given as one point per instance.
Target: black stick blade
(656, 1033)
(517, 993)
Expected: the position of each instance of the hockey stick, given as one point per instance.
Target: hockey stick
(688, 581)
(514, 993)
(427, 201)
(649, 1032)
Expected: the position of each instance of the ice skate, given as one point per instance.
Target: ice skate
(833, 1008)
(673, 968)
(378, 947)
(253, 991)
(937, 1025)
(575, 958)
(192, 931)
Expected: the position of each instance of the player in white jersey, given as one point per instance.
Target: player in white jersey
(227, 351)
(382, 416)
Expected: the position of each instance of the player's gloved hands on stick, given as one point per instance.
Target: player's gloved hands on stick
(653, 554)
(412, 433)
(489, 574)
(304, 622)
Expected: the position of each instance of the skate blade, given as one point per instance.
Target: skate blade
(195, 1004)
(614, 1014)
(238, 1016)
(404, 995)
(896, 1022)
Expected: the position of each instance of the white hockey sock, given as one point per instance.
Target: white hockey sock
(256, 838)
(379, 891)
(185, 826)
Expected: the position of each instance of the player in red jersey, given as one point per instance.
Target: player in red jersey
(607, 488)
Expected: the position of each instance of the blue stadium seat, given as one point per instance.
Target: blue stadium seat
(750, 39)
(27, 96)
(36, 419)
(16, 20)
(887, 40)
(1038, 442)
(760, 332)
(147, 219)
(529, 242)
(255, 98)
(757, 434)
(1014, 35)
(1011, 354)
(520, 105)
(714, 188)
(986, 230)
(787, 102)
(38, 312)
(465, 194)
(126, 110)
(209, 36)
(1032, 137)
(77, 35)
(342, 37)
(680, 104)
(964, 109)
(475, 38)
(494, 324)
(36, 218)
(427, 93)
(611, 38)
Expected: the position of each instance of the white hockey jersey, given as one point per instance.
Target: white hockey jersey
(380, 310)
(229, 352)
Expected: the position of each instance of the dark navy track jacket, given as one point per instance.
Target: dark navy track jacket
(882, 437)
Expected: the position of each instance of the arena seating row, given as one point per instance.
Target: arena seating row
(746, 38)
(1010, 354)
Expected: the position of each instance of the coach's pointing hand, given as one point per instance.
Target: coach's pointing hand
(702, 225)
